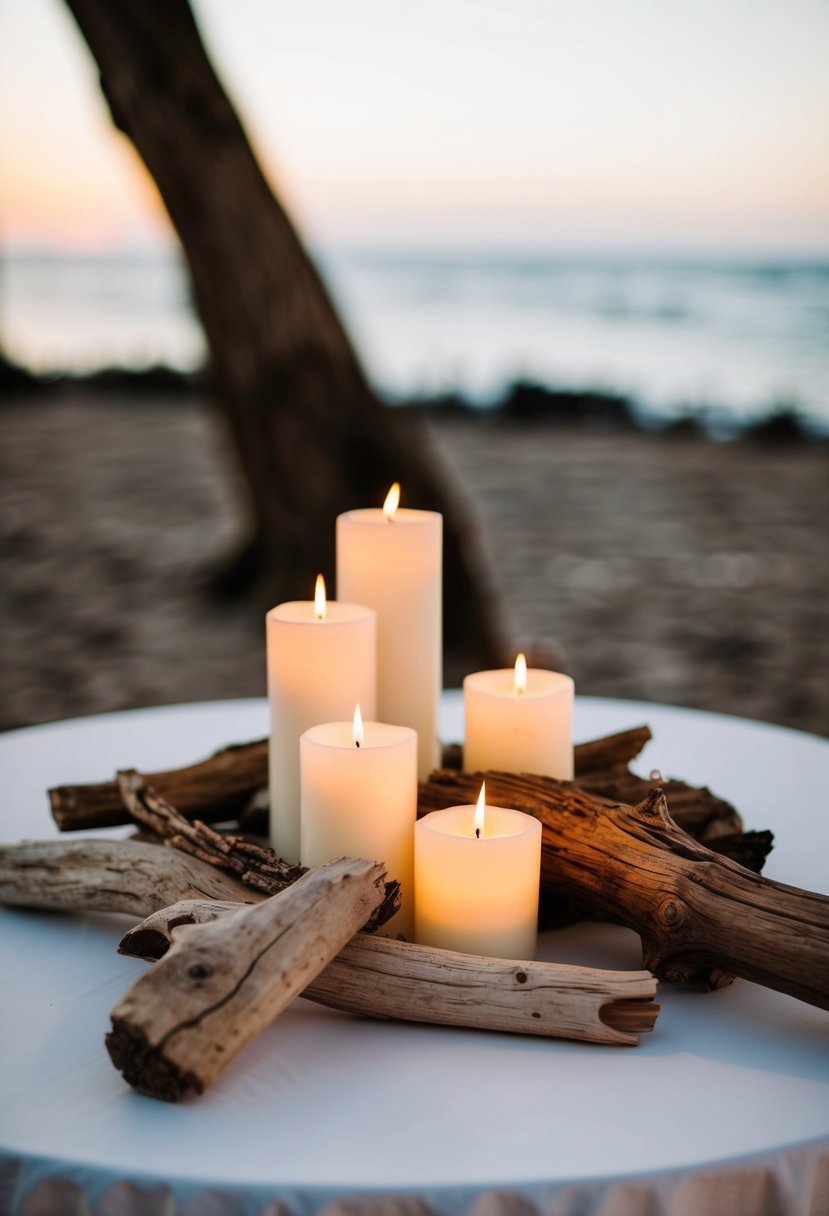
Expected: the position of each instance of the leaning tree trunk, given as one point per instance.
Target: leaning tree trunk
(312, 437)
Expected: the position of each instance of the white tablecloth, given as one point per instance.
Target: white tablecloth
(723, 1109)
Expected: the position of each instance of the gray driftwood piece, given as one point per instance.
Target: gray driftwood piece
(222, 983)
(415, 983)
(108, 876)
(371, 976)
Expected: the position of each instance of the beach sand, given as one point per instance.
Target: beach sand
(669, 569)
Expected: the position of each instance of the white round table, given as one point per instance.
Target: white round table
(724, 1108)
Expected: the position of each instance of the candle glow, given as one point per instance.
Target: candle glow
(392, 501)
(519, 720)
(321, 659)
(357, 732)
(478, 893)
(361, 805)
(480, 811)
(320, 602)
(390, 559)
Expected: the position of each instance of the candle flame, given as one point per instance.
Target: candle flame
(320, 602)
(357, 732)
(520, 679)
(392, 501)
(480, 810)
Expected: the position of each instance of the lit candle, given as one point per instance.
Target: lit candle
(391, 559)
(477, 874)
(519, 721)
(321, 662)
(359, 799)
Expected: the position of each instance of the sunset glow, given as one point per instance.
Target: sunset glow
(498, 123)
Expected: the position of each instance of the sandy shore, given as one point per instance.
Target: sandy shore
(667, 569)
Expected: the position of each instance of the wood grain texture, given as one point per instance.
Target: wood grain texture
(257, 866)
(108, 876)
(234, 779)
(214, 790)
(700, 916)
(373, 977)
(222, 982)
(399, 980)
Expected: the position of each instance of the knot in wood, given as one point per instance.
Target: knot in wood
(671, 913)
(520, 977)
(199, 971)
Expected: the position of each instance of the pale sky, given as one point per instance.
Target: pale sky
(626, 123)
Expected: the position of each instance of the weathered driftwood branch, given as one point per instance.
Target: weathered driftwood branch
(490, 994)
(700, 916)
(222, 983)
(108, 876)
(220, 788)
(420, 984)
(371, 976)
(256, 866)
(215, 790)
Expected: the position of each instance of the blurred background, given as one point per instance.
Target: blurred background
(589, 244)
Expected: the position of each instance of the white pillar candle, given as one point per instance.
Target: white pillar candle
(321, 663)
(478, 893)
(391, 559)
(519, 721)
(359, 799)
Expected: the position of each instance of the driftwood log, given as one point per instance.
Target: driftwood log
(371, 976)
(583, 835)
(222, 983)
(700, 916)
(220, 788)
(421, 984)
(256, 866)
(108, 876)
(215, 790)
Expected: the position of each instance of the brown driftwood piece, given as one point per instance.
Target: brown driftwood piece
(108, 876)
(256, 866)
(697, 811)
(420, 984)
(219, 788)
(373, 976)
(700, 915)
(222, 983)
(215, 790)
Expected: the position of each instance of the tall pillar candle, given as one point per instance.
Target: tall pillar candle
(391, 559)
(321, 663)
(520, 721)
(359, 799)
(477, 875)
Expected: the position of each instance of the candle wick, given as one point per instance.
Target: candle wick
(356, 742)
(477, 833)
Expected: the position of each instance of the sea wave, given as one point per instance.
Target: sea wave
(674, 334)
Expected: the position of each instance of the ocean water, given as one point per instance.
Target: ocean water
(728, 336)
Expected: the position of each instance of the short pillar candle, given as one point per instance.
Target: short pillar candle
(321, 663)
(519, 721)
(478, 893)
(359, 799)
(391, 559)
